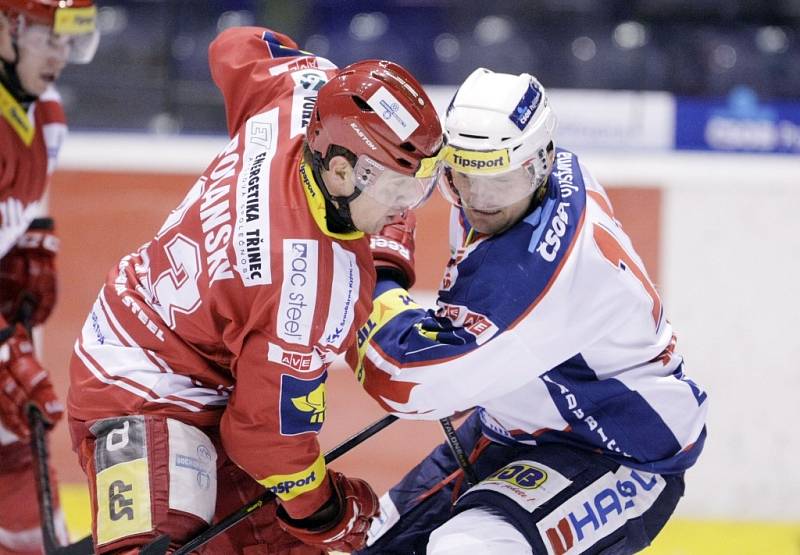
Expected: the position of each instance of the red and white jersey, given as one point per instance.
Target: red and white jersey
(29, 143)
(231, 314)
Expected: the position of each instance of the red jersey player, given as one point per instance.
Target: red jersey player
(199, 376)
(37, 39)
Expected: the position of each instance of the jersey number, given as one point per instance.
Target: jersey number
(615, 253)
(176, 288)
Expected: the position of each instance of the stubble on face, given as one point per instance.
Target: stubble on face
(492, 222)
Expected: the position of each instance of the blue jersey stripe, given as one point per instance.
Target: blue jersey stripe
(600, 413)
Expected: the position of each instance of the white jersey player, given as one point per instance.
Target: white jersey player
(548, 323)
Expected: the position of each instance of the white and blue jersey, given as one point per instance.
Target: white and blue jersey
(552, 329)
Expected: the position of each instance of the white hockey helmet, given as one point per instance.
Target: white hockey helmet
(496, 124)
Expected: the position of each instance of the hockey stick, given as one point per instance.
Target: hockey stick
(160, 544)
(458, 451)
(41, 456)
(45, 490)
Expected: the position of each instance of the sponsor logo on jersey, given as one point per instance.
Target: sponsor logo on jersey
(393, 113)
(528, 483)
(302, 63)
(308, 82)
(477, 162)
(122, 478)
(450, 311)
(520, 474)
(526, 107)
(551, 242)
(98, 332)
(475, 323)
(567, 402)
(599, 510)
(564, 173)
(252, 231)
(298, 290)
(192, 470)
(344, 294)
(289, 486)
(302, 362)
(302, 404)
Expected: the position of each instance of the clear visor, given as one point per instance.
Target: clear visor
(70, 48)
(488, 192)
(392, 189)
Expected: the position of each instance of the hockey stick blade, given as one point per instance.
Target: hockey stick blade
(159, 546)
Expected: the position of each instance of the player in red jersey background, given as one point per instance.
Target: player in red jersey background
(199, 376)
(37, 39)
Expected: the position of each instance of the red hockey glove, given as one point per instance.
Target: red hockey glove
(354, 505)
(29, 270)
(393, 248)
(23, 382)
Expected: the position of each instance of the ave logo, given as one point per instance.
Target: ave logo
(302, 362)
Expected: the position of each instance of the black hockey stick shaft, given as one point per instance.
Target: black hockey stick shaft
(45, 491)
(158, 546)
(458, 450)
(41, 457)
(44, 487)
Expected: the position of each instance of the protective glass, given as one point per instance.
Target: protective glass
(487, 192)
(75, 49)
(395, 190)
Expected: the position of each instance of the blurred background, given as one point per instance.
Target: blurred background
(152, 72)
(687, 111)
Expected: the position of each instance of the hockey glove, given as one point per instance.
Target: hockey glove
(23, 382)
(28, 273)
(352, 507)
(393, 250)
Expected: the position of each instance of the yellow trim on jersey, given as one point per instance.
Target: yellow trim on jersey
(316, 204)
(123, 501)
(289, 486)
(385, 307)
(476, 162)
(75, 21)
(16, 116)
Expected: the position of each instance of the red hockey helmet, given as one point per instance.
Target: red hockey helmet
(380, 113)
(71, 23)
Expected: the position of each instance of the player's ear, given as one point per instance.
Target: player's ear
(339, 177)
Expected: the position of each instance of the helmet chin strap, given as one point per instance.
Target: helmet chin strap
(337, 208)
(10, 79)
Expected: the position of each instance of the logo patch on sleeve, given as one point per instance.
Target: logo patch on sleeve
(302, 404)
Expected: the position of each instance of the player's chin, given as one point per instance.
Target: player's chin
(36, 86)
